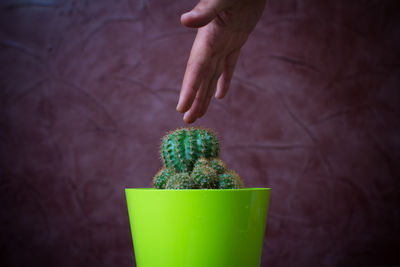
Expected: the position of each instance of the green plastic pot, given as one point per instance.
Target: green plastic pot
(198, 228)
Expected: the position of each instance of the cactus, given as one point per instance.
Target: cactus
(181, 148)
(180, 181)
(202, 162)
(161, 177)
(230, 180)
(205, 177)
(191, 160)
(218, 165)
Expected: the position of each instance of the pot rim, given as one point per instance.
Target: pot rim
(201, 190)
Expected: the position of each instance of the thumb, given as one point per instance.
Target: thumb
(204, 12)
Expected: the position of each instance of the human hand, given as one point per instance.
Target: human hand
(224, 26)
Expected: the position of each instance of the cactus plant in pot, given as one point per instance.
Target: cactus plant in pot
(198, 213)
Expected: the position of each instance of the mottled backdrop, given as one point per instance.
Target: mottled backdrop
(88, 87)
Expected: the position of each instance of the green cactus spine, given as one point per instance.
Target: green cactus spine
(230, 180)
(161, 178)
(181, 148)
(205, 177)
(180, 181)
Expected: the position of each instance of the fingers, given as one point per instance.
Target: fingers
(196, 70)
(200, 82)
(211, 89)
(201, 97)
(191, 115)
(225, 79)
(204, 12)
(190, 85)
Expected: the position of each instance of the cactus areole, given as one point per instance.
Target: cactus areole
(181, 148)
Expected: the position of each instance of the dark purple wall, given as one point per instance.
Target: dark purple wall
(87, 89)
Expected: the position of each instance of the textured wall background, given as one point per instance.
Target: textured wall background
(88, 87)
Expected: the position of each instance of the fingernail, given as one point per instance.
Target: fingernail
(186, 14)
(191, 13)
